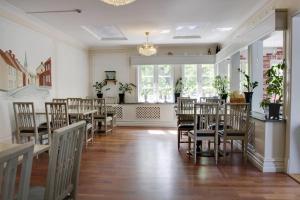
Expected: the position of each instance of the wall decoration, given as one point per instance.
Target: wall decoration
(16, 74)
(110, 75)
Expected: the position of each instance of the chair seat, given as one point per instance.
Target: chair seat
(108, 118)
(41, 131)
(232, 133)
(186, 125)
(204, 133)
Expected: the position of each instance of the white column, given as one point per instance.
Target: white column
(234, 73)
(293, 121)
(256, 72)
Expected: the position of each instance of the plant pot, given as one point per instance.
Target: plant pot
(121, 98)
(248, 98)
(274, 110)
(224, 97)
(99, 95)
(176, 95)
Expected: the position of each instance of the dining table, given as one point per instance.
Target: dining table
(37, 148)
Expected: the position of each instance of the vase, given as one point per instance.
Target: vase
(121, 98)
(248, 98)
(274, 110)
(176, 95)
(224, 97)
(99, 95)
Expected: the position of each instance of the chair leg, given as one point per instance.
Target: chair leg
(178, 139)
(189, 144)
(224, 149)
(195, 151)
(246, 149)
(216, 147)
(231, 145)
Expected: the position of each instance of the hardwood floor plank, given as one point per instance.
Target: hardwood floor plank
(144, 163)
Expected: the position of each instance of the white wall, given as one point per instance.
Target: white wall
(293, 129)
(70, 64)
(234, 73)
(71, 72)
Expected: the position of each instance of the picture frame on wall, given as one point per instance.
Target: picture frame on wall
(110, 75)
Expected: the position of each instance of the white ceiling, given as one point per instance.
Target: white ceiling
(160, 17)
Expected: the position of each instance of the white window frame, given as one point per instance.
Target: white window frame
(155, 83)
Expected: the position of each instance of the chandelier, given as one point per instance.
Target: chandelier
(118, 2)
(147, 49)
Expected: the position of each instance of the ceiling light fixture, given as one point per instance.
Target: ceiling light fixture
(118, 2)
(224, 29)
(165, 31)
(147, 49)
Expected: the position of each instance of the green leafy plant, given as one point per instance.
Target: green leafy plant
(275, 84)
(99, 86)
(126, 87)
(146, 92)
(179, 86)
(221, 84)
(249, 85)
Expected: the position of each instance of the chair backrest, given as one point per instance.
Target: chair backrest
(86, 104)
(57, 116)
(205, 115)
(9, 160)
(236, 117)
(60, 100)
(186, 105)
(64, 161)
(210, 100)
(100, 105)
(24, 115)
(74, 103)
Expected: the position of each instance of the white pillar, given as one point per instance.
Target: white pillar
(234, 73)
(293, 121)
(256, 72)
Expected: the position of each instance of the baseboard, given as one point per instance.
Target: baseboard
(147, 123)
(263, 164)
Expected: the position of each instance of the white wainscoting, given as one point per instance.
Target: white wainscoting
(268, 149)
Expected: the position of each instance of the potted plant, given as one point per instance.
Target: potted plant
(99, 86)
(221, 85)
(145, 93)
(123, 88)
(249, 86)
(274, 90)
(178, 89)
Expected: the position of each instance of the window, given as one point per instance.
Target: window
(155, 83)
(198, 80)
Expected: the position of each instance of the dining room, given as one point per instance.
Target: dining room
(137, 99)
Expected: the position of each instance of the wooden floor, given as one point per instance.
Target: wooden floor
(144, 164)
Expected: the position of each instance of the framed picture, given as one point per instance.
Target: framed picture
(110, 75)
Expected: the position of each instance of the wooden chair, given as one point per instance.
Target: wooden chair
(9, 160)
(185, 122)
(57, 117)
(236, 126)
(26, 126)
(111, 110)
(88, 104)
(64, 164)
(205, 114)
(101, 116)
(210, 100)
(73, 104)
